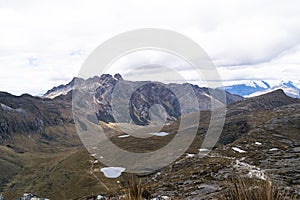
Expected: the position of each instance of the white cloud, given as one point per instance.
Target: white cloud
(43, 44)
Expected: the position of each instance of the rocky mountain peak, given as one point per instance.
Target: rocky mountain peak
(118, 76)
(145, 95)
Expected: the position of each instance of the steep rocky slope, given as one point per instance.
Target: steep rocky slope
(144, 95)
(33, 116)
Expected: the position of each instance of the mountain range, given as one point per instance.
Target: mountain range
(42, 153)
(244, 88)
(147, 94)
(256, 88)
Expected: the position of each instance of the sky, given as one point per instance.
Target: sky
(44, 43)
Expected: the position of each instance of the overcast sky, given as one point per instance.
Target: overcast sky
(44, 43)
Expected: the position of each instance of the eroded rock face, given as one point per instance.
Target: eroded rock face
(27, 114)
(137, 98)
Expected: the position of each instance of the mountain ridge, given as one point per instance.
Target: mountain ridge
(266, 101)
(255, 88)
(148, 94)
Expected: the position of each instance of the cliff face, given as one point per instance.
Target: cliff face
(142, 96)
(27, 114)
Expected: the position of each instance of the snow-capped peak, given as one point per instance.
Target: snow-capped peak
(256, 84)
(288, 87)
(256, 88)
(247, 87)
(288, 84)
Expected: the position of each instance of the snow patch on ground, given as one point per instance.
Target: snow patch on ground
(203, 150)
(123, 136)
(161, 198)
(238, 150)
(112, 172)
(160, 134)
(274, 149)
(189, 155)
(253, 171)
(258, 143)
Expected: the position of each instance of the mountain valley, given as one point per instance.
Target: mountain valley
(41, 152)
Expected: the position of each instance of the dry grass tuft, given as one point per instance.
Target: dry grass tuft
(133, 189)
(239, 188)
